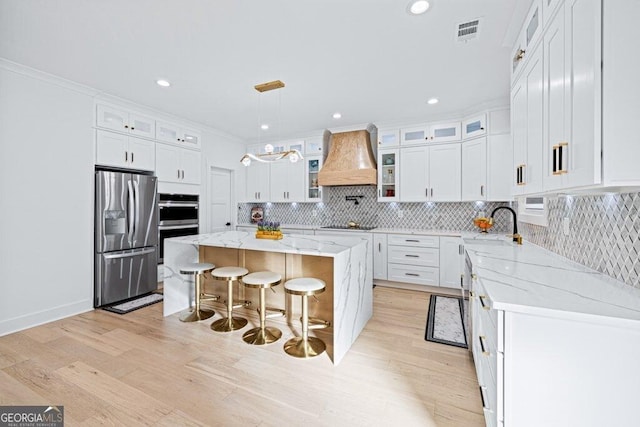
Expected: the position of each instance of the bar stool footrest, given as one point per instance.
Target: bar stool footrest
(271, 312)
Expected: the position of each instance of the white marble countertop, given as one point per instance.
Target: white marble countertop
(529, 279)
(328, 246)
(414, 231)
(285, 226)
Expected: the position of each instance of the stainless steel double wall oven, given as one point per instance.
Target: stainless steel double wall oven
(178, 217)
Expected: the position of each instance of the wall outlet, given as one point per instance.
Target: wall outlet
(400, 214)
(566, 222)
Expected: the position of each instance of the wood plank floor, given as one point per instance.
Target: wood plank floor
(143, 369)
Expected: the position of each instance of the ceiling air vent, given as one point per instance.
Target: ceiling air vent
(467, 30)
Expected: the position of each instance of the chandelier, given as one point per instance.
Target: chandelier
(269, 156)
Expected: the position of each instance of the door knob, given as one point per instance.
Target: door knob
(228, 224)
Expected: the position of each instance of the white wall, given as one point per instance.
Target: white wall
(46, 198)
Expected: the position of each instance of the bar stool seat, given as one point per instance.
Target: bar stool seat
(306, 346)
(230, 323)
(197, 269)
(261, 335)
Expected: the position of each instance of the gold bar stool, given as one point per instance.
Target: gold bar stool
(230, 323)
(198, 269)
(305, 346)
(261, 335)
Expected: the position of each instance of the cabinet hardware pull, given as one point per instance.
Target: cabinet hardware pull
(482, 190)
(520, 54)
(562, 156)
(554, 151)
(126, 156)
(412, 256)
(431, 191)
(379, 247)
(460, 250)
(481, 338)
(472, 294)
(379, 192)
(482, 128)
(481, 298)
(412, 240)
(126, 126)
(412, 274)
(178, 173)
(132, 154)
(426, 192)
(484, 401)
(473, 276)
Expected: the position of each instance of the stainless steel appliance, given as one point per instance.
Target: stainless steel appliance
(178, 217)
(126, 236)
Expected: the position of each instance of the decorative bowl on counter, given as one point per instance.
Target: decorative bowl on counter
(483, 223)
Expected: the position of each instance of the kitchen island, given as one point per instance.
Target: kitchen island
(344, 263)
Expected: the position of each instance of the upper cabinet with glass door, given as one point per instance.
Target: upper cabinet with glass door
(526, 41)
(388, 187)
(414, 135)
(313, 192)
(474, 126)
(121, 120)
(314, 146)
(388, 138)
(179, 135)
(444, 132)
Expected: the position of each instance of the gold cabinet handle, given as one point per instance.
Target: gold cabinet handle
(482, 298)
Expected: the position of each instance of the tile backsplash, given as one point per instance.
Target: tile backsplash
(604, 233)
(337, 211)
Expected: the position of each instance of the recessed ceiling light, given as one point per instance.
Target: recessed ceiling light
(433, 101)
(337, 115)
(418, 7)
(264, 126)
(163, 83)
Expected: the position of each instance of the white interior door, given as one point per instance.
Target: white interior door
(220, 200)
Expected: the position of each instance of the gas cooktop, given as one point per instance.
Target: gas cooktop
(346, 227)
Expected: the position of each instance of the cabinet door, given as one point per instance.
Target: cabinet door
(474, 170)
(451, 262)
(112, 149)
(474, 126)
(414, 177)
(142, 154)
(380, 256)
(519, 134)
(388, 137)
(279, 181)
(112, 118)
(142, 126)
(313, 146)
(168, 132)
(445, 179)
(190, 165)
(499, 161)
(534, 82)
(548, 8)
(556, 113)
(444, 132)
(414, 135)
(168, 163)
(295, 186)
(191, 138)
(258, 182)
(313, 192)
(388, 189)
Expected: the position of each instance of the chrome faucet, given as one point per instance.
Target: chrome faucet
(516, 237)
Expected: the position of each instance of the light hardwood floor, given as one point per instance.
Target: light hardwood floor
(143, 369)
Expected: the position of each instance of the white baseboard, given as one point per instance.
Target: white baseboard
(9, 326)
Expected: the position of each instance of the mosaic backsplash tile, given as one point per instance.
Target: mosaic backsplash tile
(604, 233)
(368, 212)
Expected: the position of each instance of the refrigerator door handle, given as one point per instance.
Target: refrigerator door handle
(136, 217)
(131, 212)
(128, 253)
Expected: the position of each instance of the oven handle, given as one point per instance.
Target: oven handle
(177, 205)
(177, 227)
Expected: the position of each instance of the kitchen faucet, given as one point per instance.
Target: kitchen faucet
(516, 237)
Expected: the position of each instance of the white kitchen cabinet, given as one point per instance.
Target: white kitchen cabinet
(123, 151)
(380, 256)
(388, 175)
(313, 192)
(314, 146)
(451, 262)
(527, 39)
(414, 135)
(177, 134)
(445, 132)
(548, 9)
(287, 181)
(474, 170)
(499, 161)
(177, 165)
(388, 138)
(526, 122)
(413, 259)
(474, 126)
(257, 182)
(430, 173)
(119, 119)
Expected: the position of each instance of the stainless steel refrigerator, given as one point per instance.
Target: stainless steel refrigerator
(126, 236)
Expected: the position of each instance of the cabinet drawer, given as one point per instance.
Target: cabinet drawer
(413, 274)
(408, 240)
(427, 257)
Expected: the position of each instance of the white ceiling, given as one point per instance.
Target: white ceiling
(368, 59)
